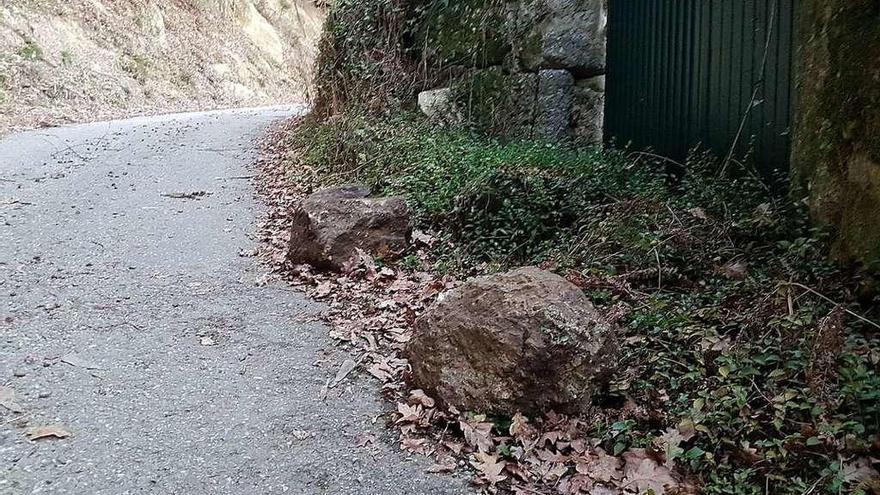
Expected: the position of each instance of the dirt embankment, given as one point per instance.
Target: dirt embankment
(78, 60)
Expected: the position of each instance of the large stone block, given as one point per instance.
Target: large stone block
(562, 34)
(554, 103)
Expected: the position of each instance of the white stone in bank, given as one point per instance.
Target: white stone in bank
(438, 105)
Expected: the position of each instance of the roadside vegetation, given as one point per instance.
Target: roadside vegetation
(737, 327)
(750, 362)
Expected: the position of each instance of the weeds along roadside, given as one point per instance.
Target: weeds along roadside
(734, 321)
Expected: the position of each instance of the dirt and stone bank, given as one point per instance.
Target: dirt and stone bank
(63, 61)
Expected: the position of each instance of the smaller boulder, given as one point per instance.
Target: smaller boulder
(526, 340)
(331, 225)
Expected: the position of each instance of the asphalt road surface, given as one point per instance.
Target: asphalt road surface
(130, 321)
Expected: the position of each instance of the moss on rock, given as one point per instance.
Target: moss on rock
(836, 140)
(472, 33)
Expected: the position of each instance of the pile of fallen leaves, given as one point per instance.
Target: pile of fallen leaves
(370, 312)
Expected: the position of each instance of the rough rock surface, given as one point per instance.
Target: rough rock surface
(439, 106)
(554, 101)
(588, 109)
(76, 60)
(564, 34)
(836, 130)
(332, 224)
(523, 340)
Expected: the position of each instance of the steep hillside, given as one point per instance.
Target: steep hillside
(74, 60)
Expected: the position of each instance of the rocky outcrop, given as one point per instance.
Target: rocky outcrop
(836, 135)
(526, 340)
(331, 225)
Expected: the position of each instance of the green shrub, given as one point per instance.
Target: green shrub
(138, 66)
(31, 51)
(376, 55)
(716, 275)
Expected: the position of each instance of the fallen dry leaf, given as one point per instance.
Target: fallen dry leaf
(419, 236)
(602, 467)
(478, 435)
(575, 485)
(414, 445)
(455, 447)
(858, 470)
(52, 431)
(490, 467)
(408, 413)
(644, 474)
(551, 472)
(670, 442)
(735, 270)
(323, 290)
(344, 370)
(418, 396)
(698, 213)
(603, 490)
(520, 428)
(381, 371)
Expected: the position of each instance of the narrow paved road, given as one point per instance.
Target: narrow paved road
(130, 319)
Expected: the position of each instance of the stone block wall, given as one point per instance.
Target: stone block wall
(542, 75)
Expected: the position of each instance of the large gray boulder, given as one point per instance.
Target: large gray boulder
(525, 340)
(562, 34)
(331, 225)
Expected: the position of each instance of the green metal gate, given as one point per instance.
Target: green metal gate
(708, 73)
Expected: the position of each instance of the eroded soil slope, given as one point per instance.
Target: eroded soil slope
(75, 60)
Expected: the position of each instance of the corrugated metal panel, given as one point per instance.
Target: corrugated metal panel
(708, 73)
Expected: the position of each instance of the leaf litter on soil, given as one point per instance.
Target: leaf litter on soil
(370, 312)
